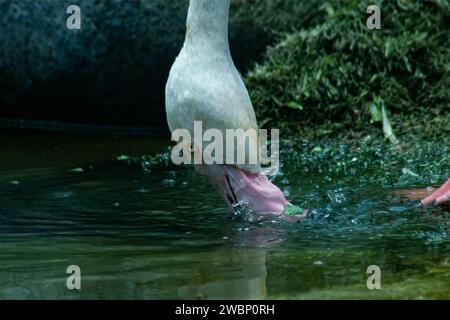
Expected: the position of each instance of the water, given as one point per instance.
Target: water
(163, 232)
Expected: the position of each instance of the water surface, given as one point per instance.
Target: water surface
(153, 232)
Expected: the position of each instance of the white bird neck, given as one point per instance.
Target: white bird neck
(207, 27)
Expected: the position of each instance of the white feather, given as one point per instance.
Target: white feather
(203, 83)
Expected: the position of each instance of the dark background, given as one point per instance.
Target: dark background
(112, 71)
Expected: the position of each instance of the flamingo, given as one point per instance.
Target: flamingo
(204, 85)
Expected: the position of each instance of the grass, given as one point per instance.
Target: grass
(339, 72)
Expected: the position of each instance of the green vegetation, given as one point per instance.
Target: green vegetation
(338, 73)
(421, 158)
(325, 84)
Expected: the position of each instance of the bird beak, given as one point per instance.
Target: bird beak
(241, 189)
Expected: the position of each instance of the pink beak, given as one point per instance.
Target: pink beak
(241, 189)
(440, 196)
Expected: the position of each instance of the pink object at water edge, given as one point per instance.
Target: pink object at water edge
(254, 191)
(440, 196)
(428, 196)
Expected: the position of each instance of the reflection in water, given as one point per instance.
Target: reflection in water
(245, 255)
(164, 233)
(213, 280)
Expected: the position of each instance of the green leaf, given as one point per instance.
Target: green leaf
(375, 113)
(122, 158)
(387, 129)
(265, 121)
(294, 105)
(316, 150)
